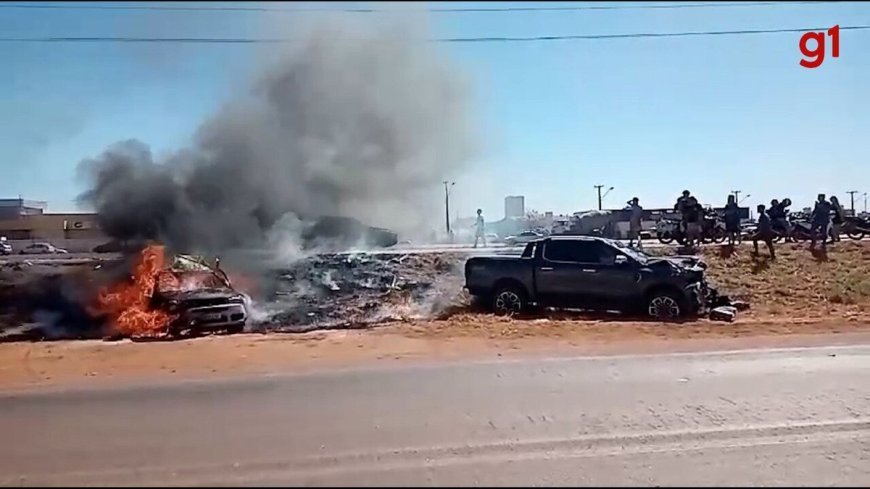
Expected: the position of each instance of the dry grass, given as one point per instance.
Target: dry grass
(799, 283)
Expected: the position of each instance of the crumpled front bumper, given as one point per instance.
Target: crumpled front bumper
(701, 297)
(217, 316)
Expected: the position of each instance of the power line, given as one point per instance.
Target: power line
(240, 40)
(170, 8)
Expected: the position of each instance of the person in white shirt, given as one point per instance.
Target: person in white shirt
(479, 228)
(635, 223)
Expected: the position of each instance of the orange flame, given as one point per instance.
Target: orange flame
(126, 304)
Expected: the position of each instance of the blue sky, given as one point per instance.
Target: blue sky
(647, 116)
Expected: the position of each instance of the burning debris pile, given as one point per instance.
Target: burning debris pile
(358, 290)
(154, 295)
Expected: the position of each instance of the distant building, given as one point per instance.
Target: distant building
(514, 206)
(25, 221)
(17, 208)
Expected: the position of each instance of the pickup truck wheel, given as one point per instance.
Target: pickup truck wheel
(509, 300)
(666, 306)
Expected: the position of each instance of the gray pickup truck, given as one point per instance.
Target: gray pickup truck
(580, 272)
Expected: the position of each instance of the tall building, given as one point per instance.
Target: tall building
(514, 206)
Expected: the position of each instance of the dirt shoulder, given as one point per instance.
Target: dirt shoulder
(98, 363)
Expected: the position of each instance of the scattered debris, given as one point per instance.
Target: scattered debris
(723, 313)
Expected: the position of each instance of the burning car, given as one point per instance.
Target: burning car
(188, 296)
(199, 297)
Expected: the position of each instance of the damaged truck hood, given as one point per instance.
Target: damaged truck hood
(201, 294)
(683, 261)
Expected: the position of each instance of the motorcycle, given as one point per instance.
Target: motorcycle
(668, 230)
(855, 227)
(713, 230)
(800, 229)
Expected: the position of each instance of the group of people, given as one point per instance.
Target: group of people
(826, 220)
(692, 216)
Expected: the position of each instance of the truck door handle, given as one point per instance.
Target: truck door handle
(546, 269)
(589, 270)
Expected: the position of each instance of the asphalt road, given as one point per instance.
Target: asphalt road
(775, 417)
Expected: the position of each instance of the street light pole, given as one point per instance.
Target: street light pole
(598, 188)
(447, 207)
(852, 197)
(600, 197)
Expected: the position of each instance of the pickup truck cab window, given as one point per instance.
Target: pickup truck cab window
(529, 252)
(580, 252)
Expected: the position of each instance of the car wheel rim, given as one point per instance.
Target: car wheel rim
(508, 302)
(664, 308)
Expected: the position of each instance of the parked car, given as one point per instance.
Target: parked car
(115, 246)
(5, 246)
(581, 272)
(343, 232)
(523, 238)
(42, 249)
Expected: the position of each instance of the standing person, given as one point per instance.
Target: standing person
(837, 219)
(783, 218)
(820, 221)
(693, 217)
(479, 229)
(635, 222)
(682, 206)
(776, 213)
(732, 219)
(764, 232)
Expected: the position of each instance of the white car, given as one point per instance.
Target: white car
(42, 249)
(523, 238)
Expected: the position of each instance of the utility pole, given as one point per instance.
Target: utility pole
(600, 197)
(736, 195)
(447, 207)
(865, 201)
(852, 197)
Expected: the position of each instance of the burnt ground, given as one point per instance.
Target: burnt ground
(358, 290)
(342, 291)
(334, 291)
(49, 301)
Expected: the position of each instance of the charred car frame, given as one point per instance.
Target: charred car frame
(200, 297)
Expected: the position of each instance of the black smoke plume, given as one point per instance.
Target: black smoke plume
(362, 123)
